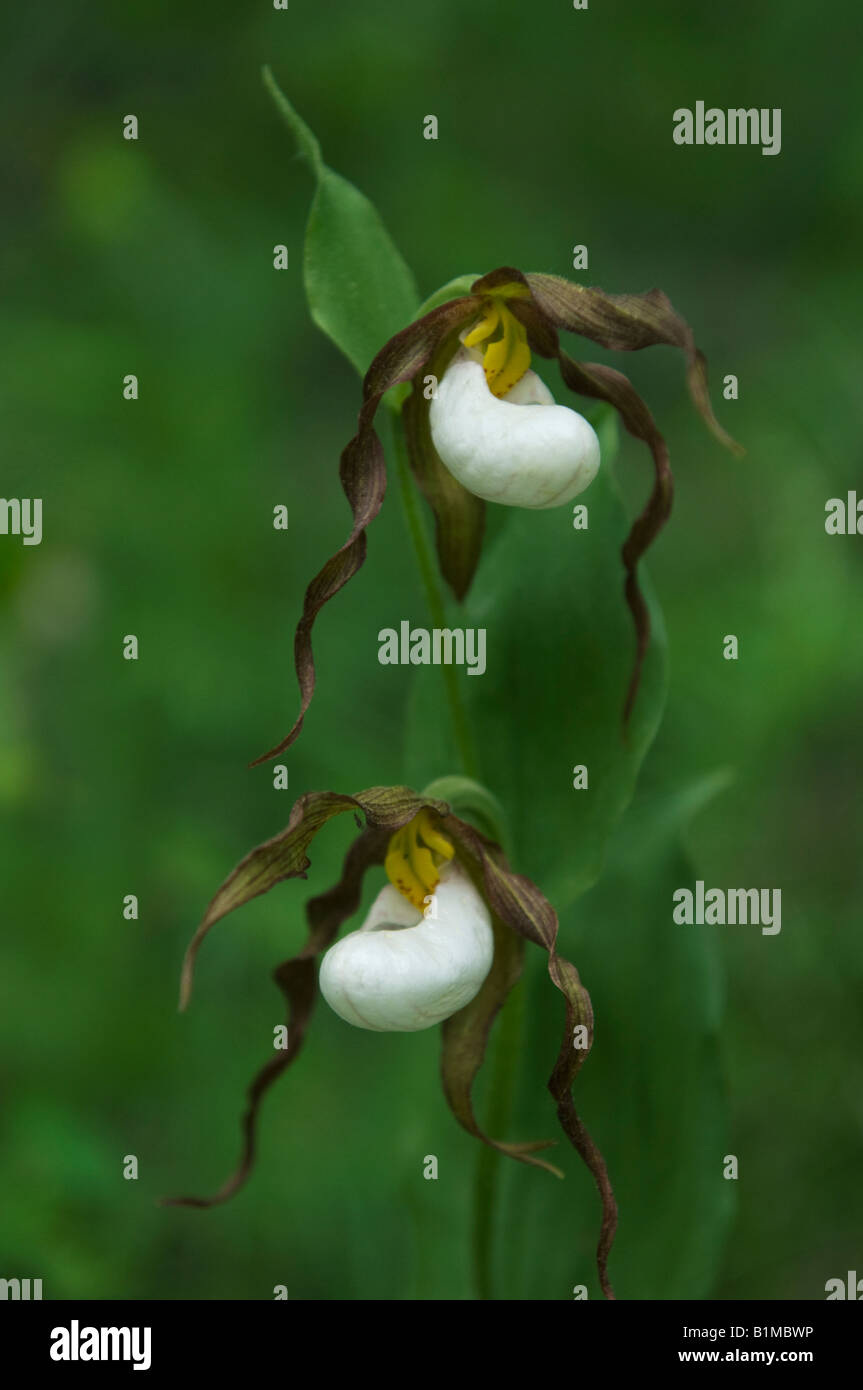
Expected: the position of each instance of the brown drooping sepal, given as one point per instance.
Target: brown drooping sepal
(464, 1037)
(363, 476)
(297, 980)
(459, 515)
(522, 907)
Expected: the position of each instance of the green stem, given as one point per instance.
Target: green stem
(434, 599)
(506, 1047)
(487, 1177)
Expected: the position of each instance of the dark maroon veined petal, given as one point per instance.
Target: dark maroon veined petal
(363, 477)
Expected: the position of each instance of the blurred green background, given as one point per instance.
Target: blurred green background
(155, 257)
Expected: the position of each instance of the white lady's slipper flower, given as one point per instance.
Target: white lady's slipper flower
(520, 449)
(402, 970)
(508, 442)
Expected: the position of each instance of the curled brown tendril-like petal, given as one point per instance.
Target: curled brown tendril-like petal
(520, 905)
(364, 479)
(297, 980)
(625, 323)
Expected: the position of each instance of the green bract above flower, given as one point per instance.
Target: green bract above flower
(450, 956)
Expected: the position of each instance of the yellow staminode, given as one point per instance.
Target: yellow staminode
(506, 355)
(414, 858)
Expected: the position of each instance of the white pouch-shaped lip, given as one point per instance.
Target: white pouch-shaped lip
(522, 450)
(403, 971)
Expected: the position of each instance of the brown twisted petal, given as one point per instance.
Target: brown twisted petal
(296, 978)
(605, 384)
(626, 323)
(363, 477)
(284, 856)
(464, 1038)
(520, 905)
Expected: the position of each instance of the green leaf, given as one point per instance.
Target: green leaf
(559, 655)
(559, 658)
(651, 1091)
(359, 288)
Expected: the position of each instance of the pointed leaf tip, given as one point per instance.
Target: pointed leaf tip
(359, 288)
(306, 140)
